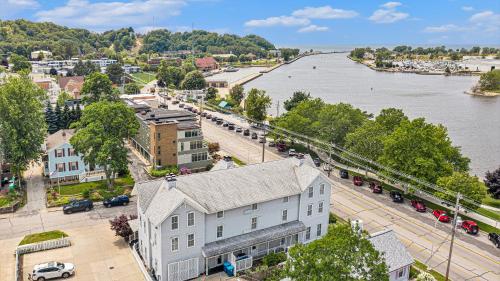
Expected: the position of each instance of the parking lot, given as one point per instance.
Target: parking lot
(96, 253)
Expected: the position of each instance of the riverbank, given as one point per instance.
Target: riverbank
(369, 64)
(482, 94)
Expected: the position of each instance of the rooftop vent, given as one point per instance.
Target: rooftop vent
(171, 180)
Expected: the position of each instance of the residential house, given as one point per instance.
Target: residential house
(41, 53)
(170, 137)
(48, 84)
(127, 68)
(193, 224)
(61, 162)
(206, 64)
(397, 258)
(72, 85)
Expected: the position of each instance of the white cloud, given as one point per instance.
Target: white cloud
(24, 3)
(486, 21)
(325, 12)
(391, 5)
(388, 13)
(106, 15)
(312, 28)
(467, 8)
(443, 28)
(278, 21)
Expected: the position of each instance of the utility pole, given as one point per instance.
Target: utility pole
(201, 109)
(263, 149)
(454, 226)
(278, 109)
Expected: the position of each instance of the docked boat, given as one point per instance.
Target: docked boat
(231, 69)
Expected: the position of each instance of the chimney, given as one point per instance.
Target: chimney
(228, 158)
(171, 180)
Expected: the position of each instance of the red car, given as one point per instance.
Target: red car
(375, 187)
(470, 227)
(441, 215)
(357, 181)
(418, 205)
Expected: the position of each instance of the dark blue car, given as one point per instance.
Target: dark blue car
(120, 200)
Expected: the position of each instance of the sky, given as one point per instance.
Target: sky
(283, 22)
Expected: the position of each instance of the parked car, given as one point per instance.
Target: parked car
(292, 152)
(246, 132)
(226, 124)
(262, 139)
(189, 108)
(120, 200)
(418, 205)
(317, 162)
(219, 121)
(208, 116)
(495, 239)
(78, 206)
(396, 196)
(50, 270)
(344, 174)
(254, 136)
(238, 130)
(203, 114)
(281, 145)
(357, 181)
(376, 187)
(214, 119)
(441, 215)
(181, 105)
(470, 227)
(230, 126)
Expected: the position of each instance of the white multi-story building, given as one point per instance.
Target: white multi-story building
(193, 224)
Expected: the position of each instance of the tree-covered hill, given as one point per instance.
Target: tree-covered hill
(22, 37)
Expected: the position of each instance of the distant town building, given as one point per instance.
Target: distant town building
(72, 85)
(275, 53)
(194, 224)
(127, 68)
(35, 55)
(48, 84)
(206, 64)
(62, 164)
(217, 83)
(62, 66)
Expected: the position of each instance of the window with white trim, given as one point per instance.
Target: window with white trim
(309, 209)
(190, 218)
(322, 189)
(174, 244)
(285, 199)
(254, 207)
(401, 272)
(220, 230)
(175, 222)
(320, 207)
(254, 223)
(318, 230)
(308, 233)
(311, 191)
(284, 215)
(190, 240)
(220, 214)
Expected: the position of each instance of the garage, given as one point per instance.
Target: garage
(183, 270)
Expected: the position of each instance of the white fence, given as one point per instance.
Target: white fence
(42, 246)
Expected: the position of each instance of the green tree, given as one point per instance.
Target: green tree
(77, 113)
(50, 119)
(85, 68)
(22, 122)
(341, 255)
(423, 150)
(297, 98)
(59, 117)
(19, 63)
(101, 134)
(237, 94)
(492, 182)
(490, 81)
(194, 80)
(256, 104)
(337, 120)
(115, 73)
(469, 186)
(132, 89)
(98, 87)
(390, 118)
(367, 140)
(211, 93)
(188, 65)
(303, 119)
(63, 97)
(171, 76)
(65, 117)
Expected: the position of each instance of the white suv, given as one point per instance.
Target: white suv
(44, 271)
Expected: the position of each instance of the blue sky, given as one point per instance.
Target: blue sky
(284, 22)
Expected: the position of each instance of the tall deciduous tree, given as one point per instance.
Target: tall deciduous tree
(98, 87)
(115, 73)
(63, 97)
(390, 118)
(492, 181)
(469, 186)
(171, 76)
(341, 255)
(423, 150)
(101, 134)
(22, 121)
(256, 104)
(237, 94)
(337, 120)
(367, 140)
(194, 80)
(297, 97)
(19, 63)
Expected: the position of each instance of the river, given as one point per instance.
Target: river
(473, 122)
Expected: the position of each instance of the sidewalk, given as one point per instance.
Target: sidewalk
(35, 190)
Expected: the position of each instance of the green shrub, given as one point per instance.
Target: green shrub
(163, 172)
(86, 193)
(273, 259)
(332, 219)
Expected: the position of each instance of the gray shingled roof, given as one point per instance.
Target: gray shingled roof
(253, 238)
(221, 190)
(394, 252)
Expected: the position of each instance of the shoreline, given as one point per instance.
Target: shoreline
(419, 72)
(482, 94)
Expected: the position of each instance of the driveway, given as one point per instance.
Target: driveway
(97, 254)
(35, 190)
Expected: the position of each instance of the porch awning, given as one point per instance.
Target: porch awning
(253, 238)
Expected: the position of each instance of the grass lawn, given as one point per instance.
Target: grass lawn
(146, 77)
(96, 191)
(490, 201)
(42, 236)
(489, 213)
(5, 201)
(238, 161)
(421, 266)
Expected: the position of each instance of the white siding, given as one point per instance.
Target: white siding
(316, 218)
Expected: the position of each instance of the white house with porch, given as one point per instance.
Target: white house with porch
(193, 224)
